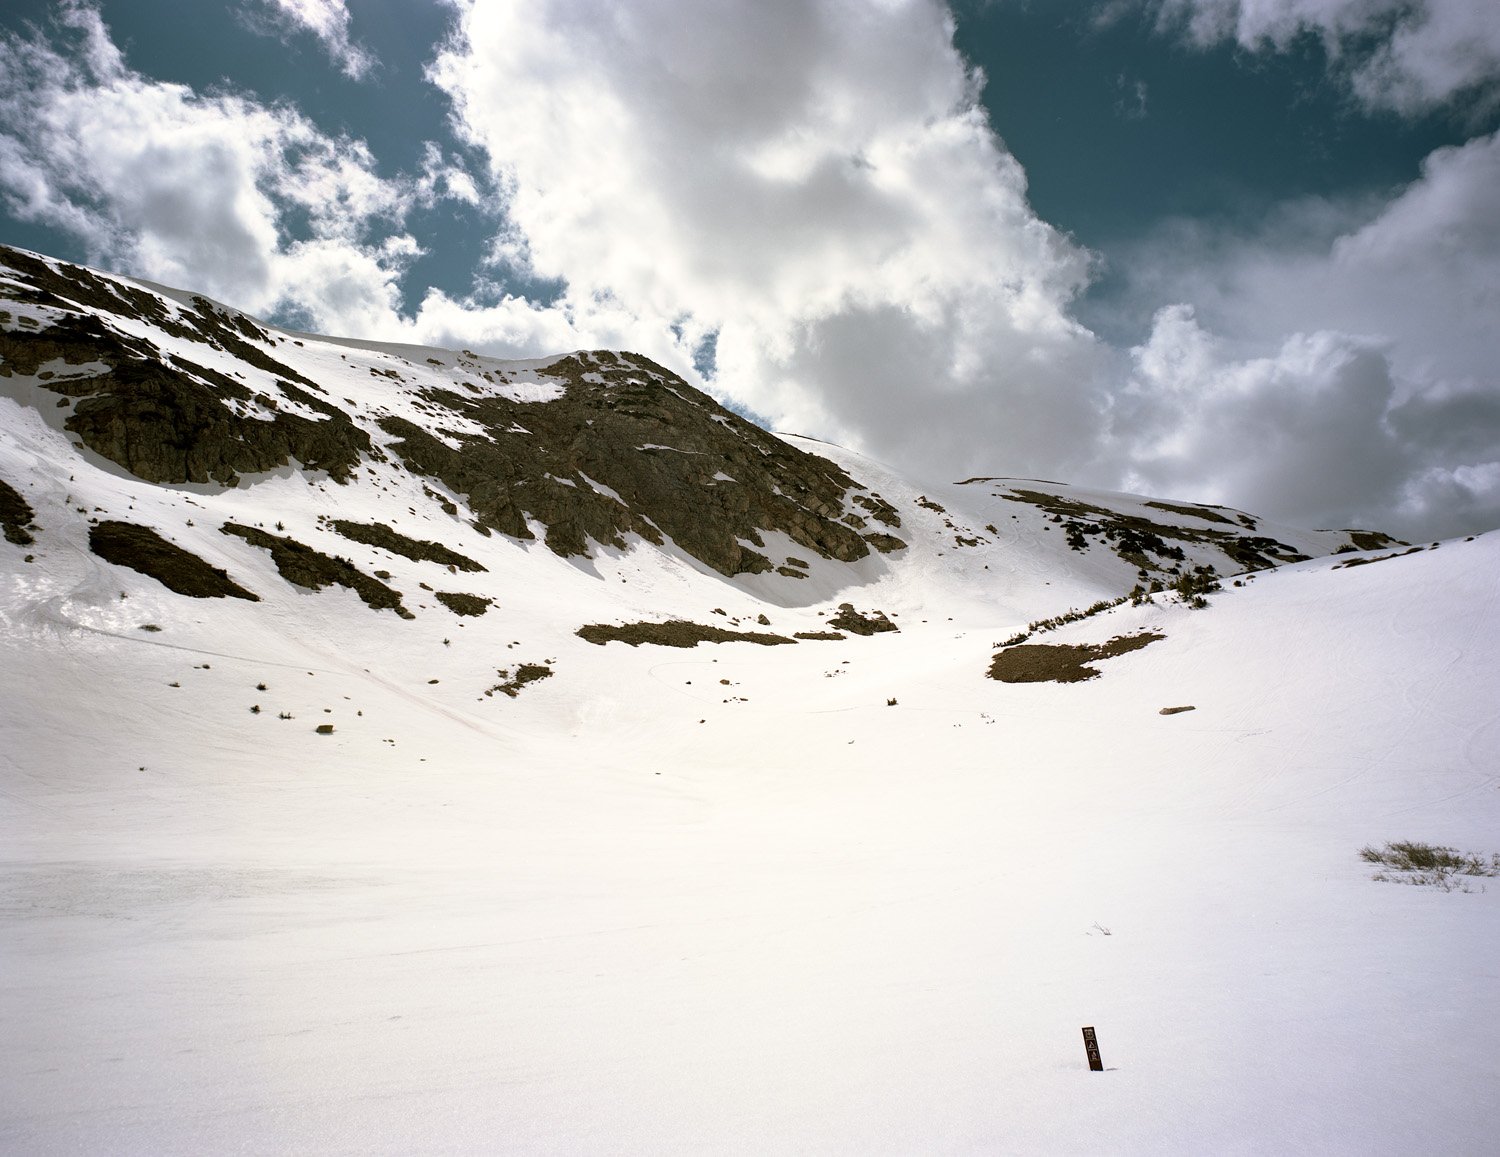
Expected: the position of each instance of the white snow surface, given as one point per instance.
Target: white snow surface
(727, 900)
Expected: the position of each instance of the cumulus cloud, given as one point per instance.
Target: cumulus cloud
(328, 20)
(196, 190)
(1302, 429)
(802, 205)
(1393, 329)
(812, 183)
(1406, 55)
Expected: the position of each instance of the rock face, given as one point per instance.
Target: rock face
(143, 549)
(610, 445)
(15, 515)
(629, 447)
(303, 566)
(165, 417)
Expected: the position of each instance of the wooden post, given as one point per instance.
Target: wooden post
(1091, 1046)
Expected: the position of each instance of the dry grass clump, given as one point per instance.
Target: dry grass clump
(1062, 662)
(1412, 862)
(674, 633)
(141, 549)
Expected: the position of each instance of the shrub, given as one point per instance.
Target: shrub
(1193, 586)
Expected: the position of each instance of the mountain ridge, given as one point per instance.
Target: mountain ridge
(588, 452)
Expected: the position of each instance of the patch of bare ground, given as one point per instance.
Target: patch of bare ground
(1378, 558)
(1062, 662)
(674, 633)
(305, 567)
(416, 549)
(141, 549)
(463, 604)
(511, 684)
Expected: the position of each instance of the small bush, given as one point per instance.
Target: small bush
(1192, 587)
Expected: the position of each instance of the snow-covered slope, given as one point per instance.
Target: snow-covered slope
(835, 895)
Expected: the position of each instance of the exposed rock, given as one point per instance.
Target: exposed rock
(462, 604)
(305, 567)
(416, 549)
(1369, 540)
(16, 515)
(625, 447)
(1144, 542)
(675, 633)
(885, 543)
(141, 549)
(163, 417)
(510, 685)
(642, 433)
(848, 619)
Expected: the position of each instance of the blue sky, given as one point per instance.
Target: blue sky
(1223, 250)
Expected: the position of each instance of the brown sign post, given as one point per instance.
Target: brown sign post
(1091, 1046)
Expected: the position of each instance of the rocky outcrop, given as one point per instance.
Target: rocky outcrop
(164, 417)
(142, 549)
(15, 515)
(305, 567)
(630, 448)
(620, 447)
(848, 619)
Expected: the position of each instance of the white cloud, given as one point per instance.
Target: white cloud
(196, 190)
(813, 181)
(1387, 391)
(1303, 430)
(1407, 55)
(328, 20)
(812, 185)
(444, 178)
